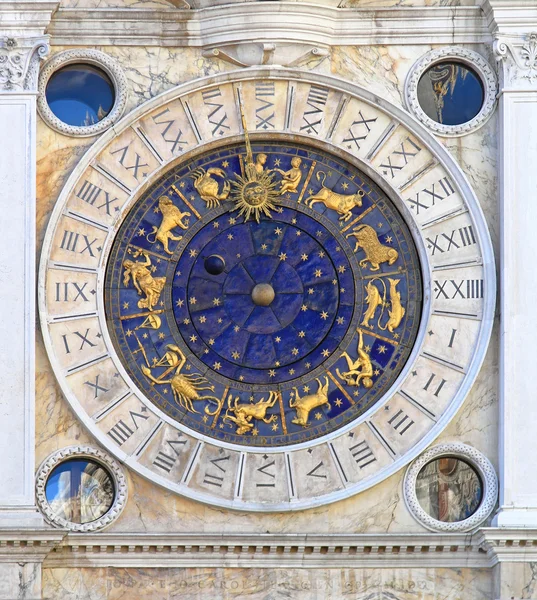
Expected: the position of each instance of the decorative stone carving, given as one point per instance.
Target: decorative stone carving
(251, 54)
(92, 57)
(518, 59)
(19, 62)
(473, 457)
(120, 487)
(461, 55)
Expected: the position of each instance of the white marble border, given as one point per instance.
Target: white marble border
(98, 456)
(435, 147)
(90, 57)
(468, 58)
(473, 457)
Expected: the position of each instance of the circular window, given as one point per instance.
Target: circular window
(451, 90)
(80, 491)
(449, 489)
(450, 93)
(81, 92)
(80, 95)
(81, 488)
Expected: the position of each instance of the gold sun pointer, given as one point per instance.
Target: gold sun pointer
(254, 193)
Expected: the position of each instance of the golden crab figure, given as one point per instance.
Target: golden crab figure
(254, 194)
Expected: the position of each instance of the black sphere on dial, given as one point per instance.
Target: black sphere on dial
(214, 264)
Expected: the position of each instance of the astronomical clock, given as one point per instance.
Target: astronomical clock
(266, 290)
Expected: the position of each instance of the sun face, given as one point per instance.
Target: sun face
(255, 193)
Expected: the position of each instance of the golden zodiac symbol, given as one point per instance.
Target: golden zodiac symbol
(374, 300)
(207, 186)
(341, 203)
(185, 388)
(305, 405)
(291, 179)
(172, 217)
(375, 252)
(152, 321)
(244, 413)
(143, 281)
(360, 369)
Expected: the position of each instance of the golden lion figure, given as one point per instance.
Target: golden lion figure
(306, 404)
(244, 413)
(172, 217)
(375, 252)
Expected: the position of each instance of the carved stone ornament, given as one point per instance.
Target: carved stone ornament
(19, 62)
(518, 57)
(461, 55)
(476, 460)
(82, 452)
(91, 57)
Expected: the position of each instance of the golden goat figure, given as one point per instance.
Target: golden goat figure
(244, 413)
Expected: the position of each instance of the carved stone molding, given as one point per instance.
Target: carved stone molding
(251, 54)
(468, 454)
(82, 452)
(469, 58)
(517, 58)
(19, 63)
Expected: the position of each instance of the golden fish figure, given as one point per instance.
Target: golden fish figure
(397, 310)
(373, 300)
(244, 413)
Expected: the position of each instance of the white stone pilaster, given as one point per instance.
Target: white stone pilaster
(517, 57)
(20, 53)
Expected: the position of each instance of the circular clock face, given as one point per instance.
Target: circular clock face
(270, 320)
(273, 321)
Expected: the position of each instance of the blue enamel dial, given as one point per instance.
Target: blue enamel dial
(263, 300)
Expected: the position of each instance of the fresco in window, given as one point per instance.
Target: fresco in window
(449, 489)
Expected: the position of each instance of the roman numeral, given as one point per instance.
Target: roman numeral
(317, 98)
(439, 190)
(438, 388)
(451, 289)
(218, 116)
(83, 337)
(63, 290)
(264, 113)
(95, 385)
(90, 193)
(263, 470)
(462, 237)
(408, 150)
(313, 472)
(166, 460)
(70, 242)
(121, 432)
(362, 454)
(175, 138)
(136, 166)
(358, 136)
(452, 338)
(401, 422)
(216, 480)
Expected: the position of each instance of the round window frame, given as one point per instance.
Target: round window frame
(103, 460)
(477, 461)
(468, 58)
(93, 58)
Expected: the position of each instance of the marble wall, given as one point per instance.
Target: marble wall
(382, 70)
(264, 584)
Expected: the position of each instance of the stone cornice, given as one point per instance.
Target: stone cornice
(284, 22)
(508, 545)
(25, 18)
(28, 545)
(510, 17)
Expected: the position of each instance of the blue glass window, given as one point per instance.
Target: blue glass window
(80, 491)
(80, 94)
(450, 93)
